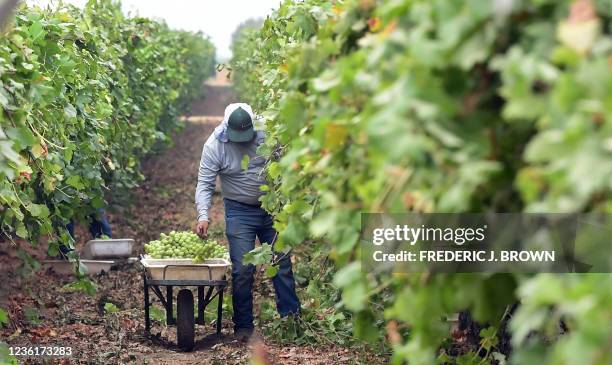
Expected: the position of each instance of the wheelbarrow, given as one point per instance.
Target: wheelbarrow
(208, 278)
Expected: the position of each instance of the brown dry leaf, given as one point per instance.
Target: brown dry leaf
(287, 354)
(374, 24)
(389, 28)
(14, 335)
(260, 354)
(42, 332)
(127, 323)
(582, 11)
(394, 336)
(335, 135)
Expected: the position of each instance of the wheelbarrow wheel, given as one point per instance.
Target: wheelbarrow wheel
(185, 323)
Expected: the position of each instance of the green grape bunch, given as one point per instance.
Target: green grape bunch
(185, 245)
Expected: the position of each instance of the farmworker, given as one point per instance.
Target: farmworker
(222, 155)
(98, 227)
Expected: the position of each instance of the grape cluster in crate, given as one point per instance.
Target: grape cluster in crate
(185, 245)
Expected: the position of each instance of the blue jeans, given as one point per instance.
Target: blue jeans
(242, 223)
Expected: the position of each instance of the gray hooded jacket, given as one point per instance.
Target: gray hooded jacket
(223, 158)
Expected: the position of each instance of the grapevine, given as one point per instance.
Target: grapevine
(439, 106)
(84, 95)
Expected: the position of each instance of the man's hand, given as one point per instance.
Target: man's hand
(202, 229)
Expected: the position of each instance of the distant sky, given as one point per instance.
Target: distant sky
(216, 18)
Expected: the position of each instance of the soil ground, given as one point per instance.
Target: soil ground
(44, 310)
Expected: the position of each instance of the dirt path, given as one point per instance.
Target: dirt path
(44, 310)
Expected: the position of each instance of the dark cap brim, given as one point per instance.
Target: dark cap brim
(240, 136)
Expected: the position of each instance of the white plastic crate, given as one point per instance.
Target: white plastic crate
(108, 249)
(62, 267)
(93, 267)
(200, 271)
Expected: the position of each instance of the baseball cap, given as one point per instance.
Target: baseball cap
(240, 126)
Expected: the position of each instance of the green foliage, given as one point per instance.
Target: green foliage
(157, 314)
(321, 320)
(82, 284)
(440, 106)
(259, 256)
(29, 263)
(32, 315)
(110, 308)
(84, 95)
(4, 318)
(5, 355)
(251, 24)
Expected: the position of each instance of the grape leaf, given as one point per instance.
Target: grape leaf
(3, 317)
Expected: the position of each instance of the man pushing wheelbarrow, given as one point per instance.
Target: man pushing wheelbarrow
(222, 155)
